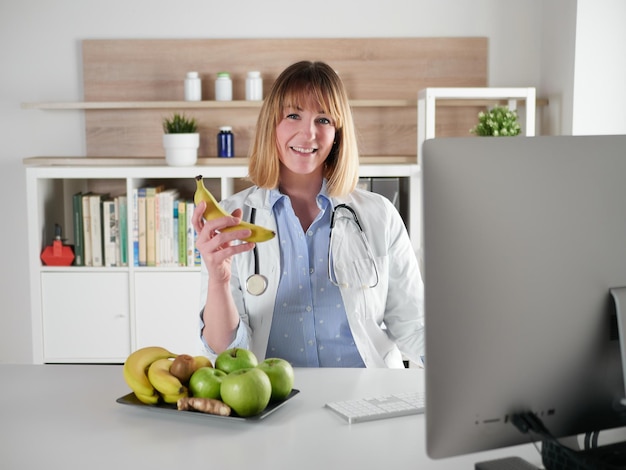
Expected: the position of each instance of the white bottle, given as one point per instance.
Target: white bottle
(223, 87)
(193, 87)
(254, 86)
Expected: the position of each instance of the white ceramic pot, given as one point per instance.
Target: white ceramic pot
(181, 149)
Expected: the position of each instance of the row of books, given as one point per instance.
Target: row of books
(161, 231)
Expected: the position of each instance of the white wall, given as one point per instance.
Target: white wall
(40, 57)
(599, 91)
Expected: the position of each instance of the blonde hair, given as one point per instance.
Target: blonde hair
(291, 88)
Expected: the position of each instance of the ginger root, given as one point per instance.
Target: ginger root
(205, 405)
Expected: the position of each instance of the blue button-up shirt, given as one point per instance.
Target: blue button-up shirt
(309, 326)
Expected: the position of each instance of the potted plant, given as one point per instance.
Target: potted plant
(500, 121)
(180, 140)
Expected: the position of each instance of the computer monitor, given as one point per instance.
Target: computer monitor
(523, 239)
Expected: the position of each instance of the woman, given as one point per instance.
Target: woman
(366, 309)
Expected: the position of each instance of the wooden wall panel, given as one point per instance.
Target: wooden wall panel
(372, 68)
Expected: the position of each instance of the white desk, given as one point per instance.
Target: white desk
(65, 416)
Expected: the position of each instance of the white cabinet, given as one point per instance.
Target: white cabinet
(100, 314)
(85, 317)
(167, 307)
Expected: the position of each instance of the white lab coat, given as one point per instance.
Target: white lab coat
(386, 321)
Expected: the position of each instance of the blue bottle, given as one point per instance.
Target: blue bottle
(225, 142)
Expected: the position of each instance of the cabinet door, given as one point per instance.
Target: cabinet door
(167, 309)
(85, 316)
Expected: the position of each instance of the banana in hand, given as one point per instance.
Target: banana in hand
(135, 372)
(213, 211)
(170, 388)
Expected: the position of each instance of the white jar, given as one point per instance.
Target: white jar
(223, 87)
(193, 87)
(254, 86)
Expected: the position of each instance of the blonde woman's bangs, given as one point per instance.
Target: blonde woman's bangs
(325, 96)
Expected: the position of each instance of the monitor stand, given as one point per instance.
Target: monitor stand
(619, 296)
(507, 463)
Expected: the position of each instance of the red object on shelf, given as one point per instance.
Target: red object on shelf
(57, 254)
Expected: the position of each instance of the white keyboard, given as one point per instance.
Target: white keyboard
(379, 407)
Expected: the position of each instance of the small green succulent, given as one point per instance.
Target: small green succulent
(498, 122)
(179, 124)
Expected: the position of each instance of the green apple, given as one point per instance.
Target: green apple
(206, 382)
(234, 359)
(246, 391)
(280, 373)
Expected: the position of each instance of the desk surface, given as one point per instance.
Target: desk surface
(65, 416)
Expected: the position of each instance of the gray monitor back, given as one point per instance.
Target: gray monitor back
(523, 238)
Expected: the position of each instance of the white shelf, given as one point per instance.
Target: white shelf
(70, 105)
(427, 100)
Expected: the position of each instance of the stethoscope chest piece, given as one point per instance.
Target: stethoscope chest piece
(256, 284)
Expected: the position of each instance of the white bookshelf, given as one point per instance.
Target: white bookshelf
(100, 314)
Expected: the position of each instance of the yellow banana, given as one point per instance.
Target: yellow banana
(213, 211)
(202, 361)
(164, 382)
(148, 400)
(135, 368)
(174, 398)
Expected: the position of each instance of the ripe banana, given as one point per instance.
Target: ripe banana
(213, 211)
(202, 361)
(135, 368)
(170, 388)
(148, 400)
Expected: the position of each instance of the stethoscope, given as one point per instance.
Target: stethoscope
(256, 284)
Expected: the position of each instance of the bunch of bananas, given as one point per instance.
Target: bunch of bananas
(148, 372)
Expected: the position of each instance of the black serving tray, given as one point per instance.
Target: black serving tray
(132, 400)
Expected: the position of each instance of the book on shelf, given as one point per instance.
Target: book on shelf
(110, 233)
(164, 223)
(142, 255)
(151, 224)
(95, 217)
(175, 235)
(122, 210)
(77, 207)
(135, 226)
(87, 257)
(182, 232)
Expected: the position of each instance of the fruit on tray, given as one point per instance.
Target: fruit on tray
(213, 211)
(206, 382)
(238, 383)
(168, 385)
(183, 366)
(206, 405)
(136, 372)
(246, 391)
(234, 359)
(280, 373)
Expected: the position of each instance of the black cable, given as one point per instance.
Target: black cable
(594, 442)
(528, 422)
